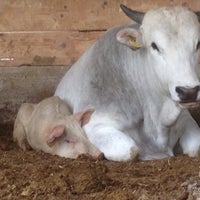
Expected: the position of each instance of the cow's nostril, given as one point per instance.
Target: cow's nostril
(187, 94)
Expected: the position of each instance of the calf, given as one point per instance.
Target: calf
(50, 127)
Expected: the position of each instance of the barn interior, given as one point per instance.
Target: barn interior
(39, 41)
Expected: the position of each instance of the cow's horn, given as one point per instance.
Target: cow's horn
(198, 15)
(134, 15)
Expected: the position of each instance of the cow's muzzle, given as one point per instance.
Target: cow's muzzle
(188, 95)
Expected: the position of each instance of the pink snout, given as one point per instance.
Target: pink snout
(91, 150)
(98, 155)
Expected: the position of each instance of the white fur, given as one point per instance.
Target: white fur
(176, 36)
(105, 133)
(36, 123)
(134, 94)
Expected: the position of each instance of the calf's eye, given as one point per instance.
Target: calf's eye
(154, 46)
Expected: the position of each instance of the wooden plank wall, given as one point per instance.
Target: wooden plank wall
(41, 39)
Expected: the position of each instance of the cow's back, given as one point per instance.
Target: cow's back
(99, 79)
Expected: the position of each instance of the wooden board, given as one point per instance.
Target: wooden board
(43, 32)
(47, 15)
(44, 48)
(26, 84)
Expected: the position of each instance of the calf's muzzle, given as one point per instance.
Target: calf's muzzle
(187, 94)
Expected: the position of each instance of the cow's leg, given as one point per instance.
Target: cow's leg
(190, 139)
(105, 134)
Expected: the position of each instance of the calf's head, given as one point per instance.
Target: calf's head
(70, 137)
(170, 36)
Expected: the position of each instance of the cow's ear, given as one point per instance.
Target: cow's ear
(55, 134)
(130, 37)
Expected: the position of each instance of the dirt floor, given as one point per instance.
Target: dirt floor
(39, 176)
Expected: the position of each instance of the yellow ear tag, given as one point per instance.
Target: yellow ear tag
(135, 44)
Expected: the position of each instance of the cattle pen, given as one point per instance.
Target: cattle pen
(39, 41)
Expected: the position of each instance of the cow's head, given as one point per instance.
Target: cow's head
(171, 38)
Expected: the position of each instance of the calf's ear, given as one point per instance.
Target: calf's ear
(21, 123)
(83, 117)
(130, 37)
(25, 112)
(55, 134)
(19, 134)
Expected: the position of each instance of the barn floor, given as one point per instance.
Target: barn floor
(35, 175)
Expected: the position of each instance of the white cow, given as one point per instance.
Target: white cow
(140, 78)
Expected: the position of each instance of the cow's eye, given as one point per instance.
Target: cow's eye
(198, 45)
(154, 46)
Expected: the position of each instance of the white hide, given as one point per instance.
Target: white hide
(176, 36)
(130, 76)
(50, 127)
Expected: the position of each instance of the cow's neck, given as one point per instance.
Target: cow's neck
(159, 111)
